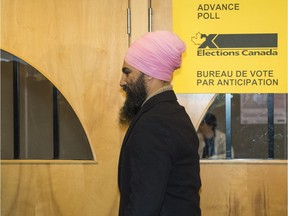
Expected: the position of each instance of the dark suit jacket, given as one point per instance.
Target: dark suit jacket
(159, 162)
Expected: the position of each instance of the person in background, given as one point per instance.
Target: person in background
(212, 142)
(158, 171)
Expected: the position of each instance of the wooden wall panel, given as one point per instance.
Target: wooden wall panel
(244, 188)
(139, 18)
(161, 15)
(79, 46)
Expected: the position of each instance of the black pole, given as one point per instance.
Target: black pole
(270, 106)
(55, 124)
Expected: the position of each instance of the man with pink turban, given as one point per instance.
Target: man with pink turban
(159, 170)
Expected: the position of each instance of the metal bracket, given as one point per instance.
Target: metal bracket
(129, 21)
(149, 16)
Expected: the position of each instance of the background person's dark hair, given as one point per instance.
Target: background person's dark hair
(210, 119)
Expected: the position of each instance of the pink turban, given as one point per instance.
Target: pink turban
(156, 54)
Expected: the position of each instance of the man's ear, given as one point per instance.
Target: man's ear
(148, 78)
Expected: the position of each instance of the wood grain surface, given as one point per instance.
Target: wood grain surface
(79, 46)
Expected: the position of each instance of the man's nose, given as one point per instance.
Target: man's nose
(123, 81)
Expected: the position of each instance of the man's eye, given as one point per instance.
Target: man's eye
(126, 71)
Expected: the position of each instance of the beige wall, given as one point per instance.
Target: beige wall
(79, 46)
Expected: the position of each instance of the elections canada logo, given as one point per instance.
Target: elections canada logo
(236, 44)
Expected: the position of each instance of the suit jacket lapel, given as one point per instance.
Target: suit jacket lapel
(164, 96)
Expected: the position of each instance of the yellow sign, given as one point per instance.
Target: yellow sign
(232, 46)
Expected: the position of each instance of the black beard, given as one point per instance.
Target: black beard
(135, 96)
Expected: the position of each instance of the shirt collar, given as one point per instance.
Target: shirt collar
(160, 90)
